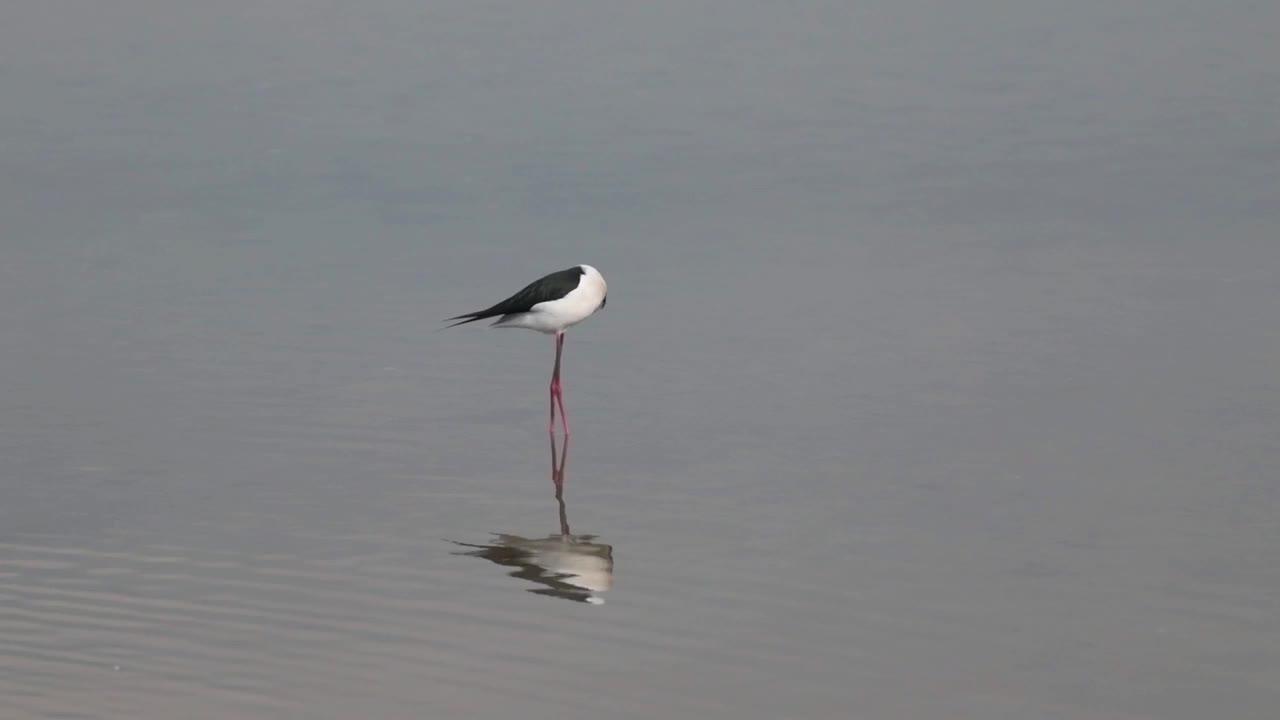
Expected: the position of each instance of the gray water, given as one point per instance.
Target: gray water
(940, 376)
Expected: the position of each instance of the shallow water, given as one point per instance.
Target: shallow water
(938, 377)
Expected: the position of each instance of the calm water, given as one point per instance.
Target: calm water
(940, 376)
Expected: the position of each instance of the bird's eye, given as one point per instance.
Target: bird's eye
(604, 301)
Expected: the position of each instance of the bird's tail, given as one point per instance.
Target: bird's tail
(464, 319)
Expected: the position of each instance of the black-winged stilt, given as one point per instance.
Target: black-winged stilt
(551, 304)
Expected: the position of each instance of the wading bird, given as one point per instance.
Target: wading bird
(551, 304)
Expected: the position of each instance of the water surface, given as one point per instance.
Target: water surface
(938, 377)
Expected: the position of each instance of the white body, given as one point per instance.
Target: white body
(555, 316)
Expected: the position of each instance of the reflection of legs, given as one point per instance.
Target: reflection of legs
(559, 458)
(556, 393)
(557, 477)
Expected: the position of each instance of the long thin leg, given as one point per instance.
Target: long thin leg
(555, 380)
(564, 416)
(555, 389)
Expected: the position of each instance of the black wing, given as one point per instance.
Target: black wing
(549, 287)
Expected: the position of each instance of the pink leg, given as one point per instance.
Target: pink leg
(564, 416)
(555, 385)
(556, 394)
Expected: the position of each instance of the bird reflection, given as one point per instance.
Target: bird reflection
(567, 566)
